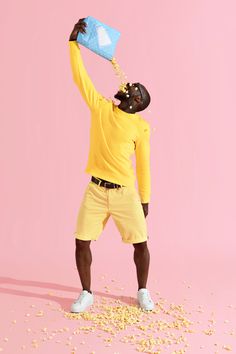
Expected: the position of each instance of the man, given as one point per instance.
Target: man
(116, 133)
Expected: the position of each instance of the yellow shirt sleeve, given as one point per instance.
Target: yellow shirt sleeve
(142, 152)
(81, 77)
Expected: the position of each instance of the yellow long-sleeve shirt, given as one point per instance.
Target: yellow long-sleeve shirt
(114, 135)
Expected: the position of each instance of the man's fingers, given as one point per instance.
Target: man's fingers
(82, 22)
(81, 27)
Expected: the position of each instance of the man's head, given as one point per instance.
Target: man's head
(134, 98)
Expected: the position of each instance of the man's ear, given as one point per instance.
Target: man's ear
(138, 99)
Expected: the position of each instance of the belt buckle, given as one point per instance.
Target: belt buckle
(99, 181)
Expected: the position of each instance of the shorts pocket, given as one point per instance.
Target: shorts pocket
(133, 194)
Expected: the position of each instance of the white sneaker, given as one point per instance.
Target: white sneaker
(144, 300)
(84, 300)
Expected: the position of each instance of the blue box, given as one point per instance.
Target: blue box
(99, 38)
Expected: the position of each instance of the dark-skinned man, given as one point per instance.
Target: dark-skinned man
(117, 132)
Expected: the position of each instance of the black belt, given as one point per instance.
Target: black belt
(103, 183)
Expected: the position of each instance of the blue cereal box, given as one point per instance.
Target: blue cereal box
(99, 38)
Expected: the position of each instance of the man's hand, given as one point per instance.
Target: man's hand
(78, 27)
(145, 209)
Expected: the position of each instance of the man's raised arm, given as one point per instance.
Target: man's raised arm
(80, 75)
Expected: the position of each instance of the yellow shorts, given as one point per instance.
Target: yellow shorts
(123, 204)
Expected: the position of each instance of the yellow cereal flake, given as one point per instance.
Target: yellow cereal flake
(227, 347)
(209, 331)
(212, 321)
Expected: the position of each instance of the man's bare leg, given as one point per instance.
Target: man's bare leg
(83, 258)
(141, 260)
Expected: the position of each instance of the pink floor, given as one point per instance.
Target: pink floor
(195, 312)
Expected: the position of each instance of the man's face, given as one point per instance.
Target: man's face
(131, 91)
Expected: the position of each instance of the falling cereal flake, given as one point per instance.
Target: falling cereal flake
(120, 74)
(6, 339)
(14, 321)
(39, 314)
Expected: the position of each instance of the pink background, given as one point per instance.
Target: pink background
(184, 52)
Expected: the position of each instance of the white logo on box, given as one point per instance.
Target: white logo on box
(103, 37)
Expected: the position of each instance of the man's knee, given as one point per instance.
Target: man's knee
(140, 247)
(82, 245)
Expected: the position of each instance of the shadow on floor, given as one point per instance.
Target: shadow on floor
(64, 302)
